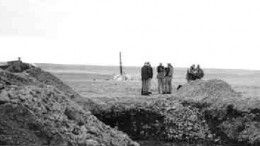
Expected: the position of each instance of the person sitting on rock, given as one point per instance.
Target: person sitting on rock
(192, 68)
(191, 73)
(199, 72)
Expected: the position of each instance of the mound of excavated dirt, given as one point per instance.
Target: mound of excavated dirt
(36, 109)
(200, 111)
(18, 67)
(202, 90)
(218, 94)
(49, 79)
(229, 114)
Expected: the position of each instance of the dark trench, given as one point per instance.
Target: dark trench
(141, 124)
(138, 124)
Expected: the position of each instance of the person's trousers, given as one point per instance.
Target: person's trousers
(149, 84)
(168, 85)
(160, 85)
(145, 86)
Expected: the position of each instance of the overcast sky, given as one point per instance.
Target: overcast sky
(213, 33)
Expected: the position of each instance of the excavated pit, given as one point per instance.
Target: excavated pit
(200, 112)
(138, 124)
(159, 120)
(149, 125)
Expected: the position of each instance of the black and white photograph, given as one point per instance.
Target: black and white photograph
(129, 73)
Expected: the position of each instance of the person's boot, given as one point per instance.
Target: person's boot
(146, 93)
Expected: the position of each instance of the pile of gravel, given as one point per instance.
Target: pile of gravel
(229, 115)
(49, 79)
(202, 90)
(36, 110)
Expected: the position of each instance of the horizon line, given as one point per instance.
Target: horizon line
(107, 65)
(76, 64)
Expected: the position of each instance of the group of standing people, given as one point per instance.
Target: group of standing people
(164, 77)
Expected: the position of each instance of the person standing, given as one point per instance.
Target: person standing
(168, 79)
(145, 77)
(160, 77)
(150, 72)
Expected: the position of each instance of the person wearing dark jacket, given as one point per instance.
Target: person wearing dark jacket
(150, 72)
(145, 76)
(168, 79)
(160, 77)
(199, 72)
(191, 73)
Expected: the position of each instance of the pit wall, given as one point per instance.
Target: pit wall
(190, 122)
(177, 123)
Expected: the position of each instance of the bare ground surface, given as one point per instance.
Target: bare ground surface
(37, 108)
(94, 80)
(231, 112)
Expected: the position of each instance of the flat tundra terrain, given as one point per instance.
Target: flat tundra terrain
(97, 81)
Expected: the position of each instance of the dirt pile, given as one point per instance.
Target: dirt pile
(202, 90)
(200, 111)
(16, 66)
(36, 110)
(49, 79)
(229, 115)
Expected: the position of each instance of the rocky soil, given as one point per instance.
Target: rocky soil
(201, 111)
(36, 108)
(234, 118)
